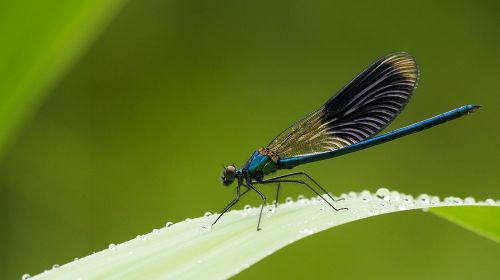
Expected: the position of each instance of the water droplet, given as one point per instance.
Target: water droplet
(188, 220)
(453, 200)
(112, 247)
(76, 259)
(352, 195)
(307, 231)
(423, 198)
(206, 227)
(435, 200)
(365, 196)
(469, 200)
(25, 276)
(383, 194)
(289, 200)
(490, 201)
(247, 207)
(169, 225)
(155, 231)
(383, 204)
(408, 199)
(401, 207)
(300, 198)
(141, 237)
(270, 211)
(395, 196)
(354, 211)
(55, 266)
(207, 214)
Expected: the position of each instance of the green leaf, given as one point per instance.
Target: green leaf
(193, 250)
(484, 221)
(40, 41)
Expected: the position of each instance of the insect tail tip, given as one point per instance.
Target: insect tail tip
(474, 108)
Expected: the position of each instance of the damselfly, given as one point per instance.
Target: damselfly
(349, 121)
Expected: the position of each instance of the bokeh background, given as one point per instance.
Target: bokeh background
(135, 132)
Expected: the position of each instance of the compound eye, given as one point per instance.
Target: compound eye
(230, 172)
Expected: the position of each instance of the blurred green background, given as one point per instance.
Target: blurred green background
(134, 133)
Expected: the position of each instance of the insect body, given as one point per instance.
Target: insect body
(349, 121)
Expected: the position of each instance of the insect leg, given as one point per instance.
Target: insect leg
(232, 203)
(277, 195)
(310, 178)
(263, 201)
(303, 183)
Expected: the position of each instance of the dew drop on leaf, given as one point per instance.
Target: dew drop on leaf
(206, 227)
(423, 199)
(383, 194)
(469, 200)
(435, 200)
(490, 201)
(307, 231)
(270, 211)
(395, 196)
(408, 199)
(365, 196)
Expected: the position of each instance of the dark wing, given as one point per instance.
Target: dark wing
(360, 110)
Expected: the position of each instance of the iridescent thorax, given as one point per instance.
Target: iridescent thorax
(262, 162)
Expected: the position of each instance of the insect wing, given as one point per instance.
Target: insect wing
(358, 111)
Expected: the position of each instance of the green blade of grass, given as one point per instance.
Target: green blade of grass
(481, 220)
(40, 41)
(193, 250)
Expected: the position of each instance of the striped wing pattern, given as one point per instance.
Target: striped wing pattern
(360, 110)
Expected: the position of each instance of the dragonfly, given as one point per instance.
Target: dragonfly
(349, 121)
